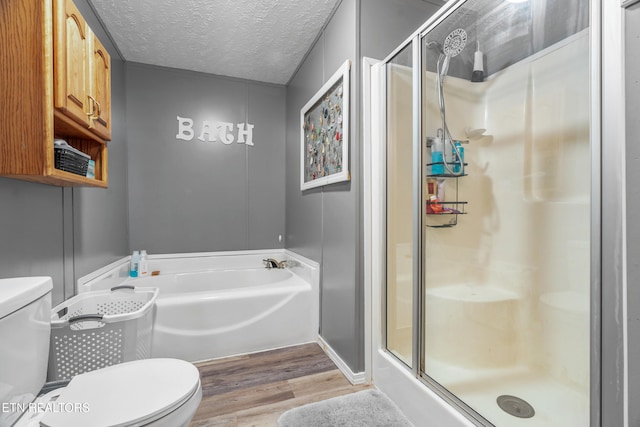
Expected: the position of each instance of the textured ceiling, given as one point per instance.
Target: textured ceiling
(251, 39)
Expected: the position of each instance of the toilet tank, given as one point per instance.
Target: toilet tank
(25, 327)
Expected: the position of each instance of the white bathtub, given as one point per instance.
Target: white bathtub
(214, 305)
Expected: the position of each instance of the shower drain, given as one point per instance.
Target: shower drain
(515, 406)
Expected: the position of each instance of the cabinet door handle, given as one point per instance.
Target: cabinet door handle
(99, 113)
(92, 113)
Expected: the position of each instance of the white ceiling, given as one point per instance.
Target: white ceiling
(263, 40)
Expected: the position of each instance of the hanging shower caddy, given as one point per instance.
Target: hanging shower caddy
(444, 213)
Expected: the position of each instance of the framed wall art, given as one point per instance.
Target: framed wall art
(324, 151)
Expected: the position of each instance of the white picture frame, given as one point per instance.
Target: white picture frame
(324, 130)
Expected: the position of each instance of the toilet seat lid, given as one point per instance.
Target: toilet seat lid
(124, 394)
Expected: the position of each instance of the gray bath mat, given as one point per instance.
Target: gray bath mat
(368, 408)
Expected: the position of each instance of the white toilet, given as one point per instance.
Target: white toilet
(150, 392)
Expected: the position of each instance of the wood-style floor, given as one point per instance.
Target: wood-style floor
(255, 389)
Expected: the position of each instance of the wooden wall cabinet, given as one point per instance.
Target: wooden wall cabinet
(55, 82)
(81, 71)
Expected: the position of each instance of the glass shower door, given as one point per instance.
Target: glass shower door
(400, 236)
(506, 243)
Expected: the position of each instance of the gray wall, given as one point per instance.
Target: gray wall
(190, 196)
(632, 41)
(325, 224)
(62, 232)
(31, 232)
(385, 24)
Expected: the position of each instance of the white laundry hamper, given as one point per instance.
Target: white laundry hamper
(96, 329)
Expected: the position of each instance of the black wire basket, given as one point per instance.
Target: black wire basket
(69, 159)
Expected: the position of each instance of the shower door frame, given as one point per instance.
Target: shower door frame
(406, 385)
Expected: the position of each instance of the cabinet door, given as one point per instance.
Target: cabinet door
(71, 62)
(100, 89)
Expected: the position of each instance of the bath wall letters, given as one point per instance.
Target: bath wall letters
(213, 131)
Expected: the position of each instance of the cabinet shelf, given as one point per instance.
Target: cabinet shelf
(68, 179)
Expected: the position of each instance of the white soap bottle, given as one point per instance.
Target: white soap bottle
(144, 264)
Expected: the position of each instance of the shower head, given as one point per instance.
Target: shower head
(455, 42)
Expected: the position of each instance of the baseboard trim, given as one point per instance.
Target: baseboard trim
(353, 377)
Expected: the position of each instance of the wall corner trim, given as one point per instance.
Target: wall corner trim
(354, 378)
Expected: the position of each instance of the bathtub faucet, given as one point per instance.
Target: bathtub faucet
(272, 263)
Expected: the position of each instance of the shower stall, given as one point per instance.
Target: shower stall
(488, 210)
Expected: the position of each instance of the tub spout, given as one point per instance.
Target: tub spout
(272, 263)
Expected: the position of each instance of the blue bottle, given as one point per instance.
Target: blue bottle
(135, 264)
(437, 157)
(457, 162)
